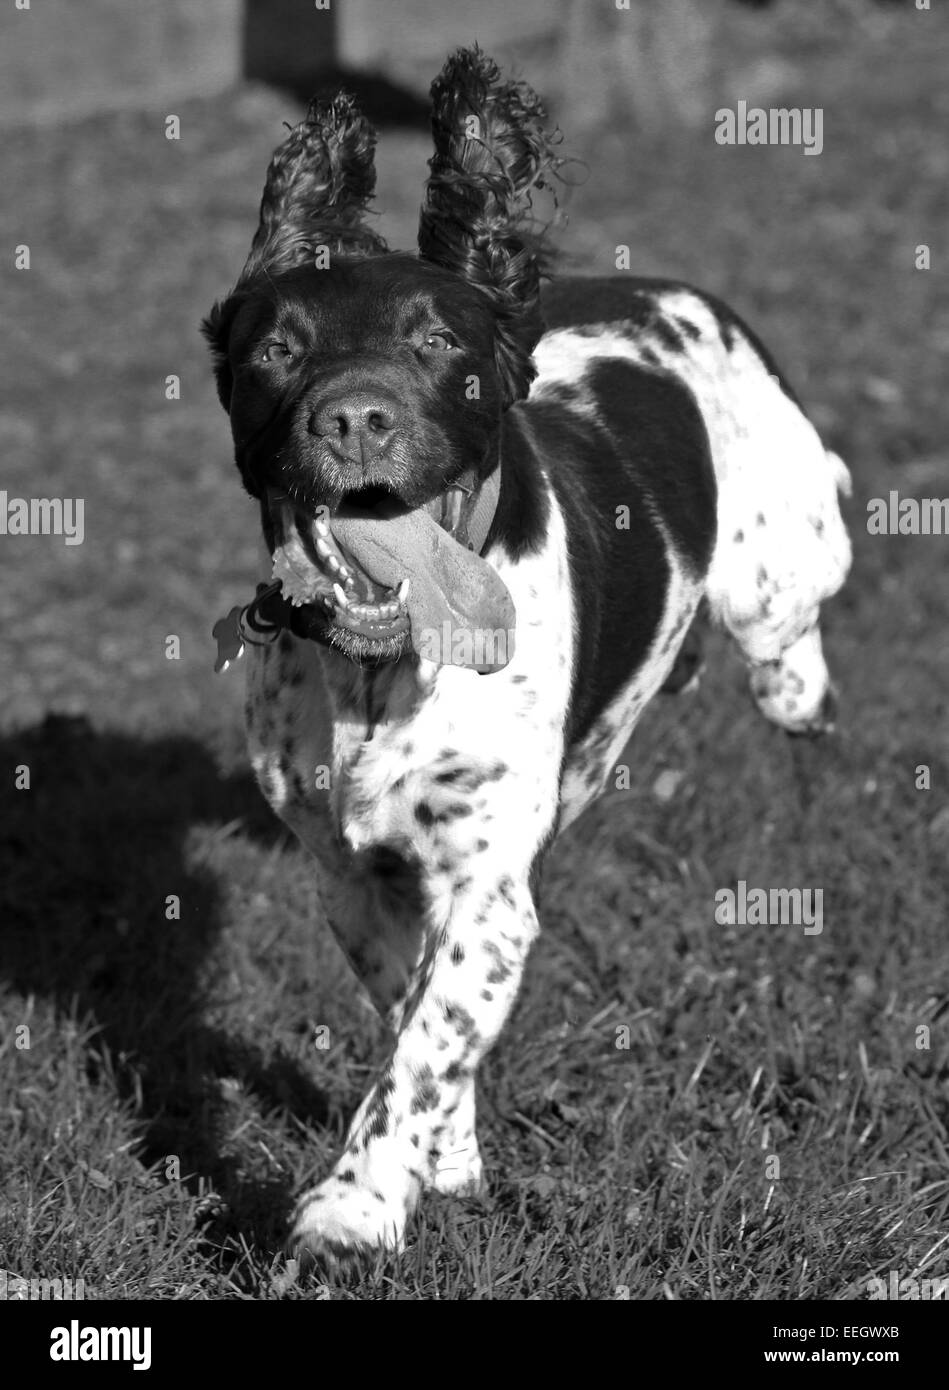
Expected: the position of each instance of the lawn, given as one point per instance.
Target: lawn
(173, 1095)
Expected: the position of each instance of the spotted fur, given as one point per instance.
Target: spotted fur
(657, 462)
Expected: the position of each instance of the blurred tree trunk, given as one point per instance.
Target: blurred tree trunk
(649, 65)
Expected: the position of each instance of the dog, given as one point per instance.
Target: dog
(491, 515)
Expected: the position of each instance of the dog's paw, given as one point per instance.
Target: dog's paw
(822, 721)
(338, 1222)
(459, 1173)
(796, 705)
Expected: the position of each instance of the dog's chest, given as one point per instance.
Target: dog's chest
(450, 743)
(395, 755)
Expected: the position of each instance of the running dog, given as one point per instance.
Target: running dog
(491, 515)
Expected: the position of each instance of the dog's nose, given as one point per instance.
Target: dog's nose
(359, 425)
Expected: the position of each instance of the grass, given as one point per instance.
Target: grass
(172, 1096)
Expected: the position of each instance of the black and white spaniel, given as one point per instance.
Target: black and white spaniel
(491, 516)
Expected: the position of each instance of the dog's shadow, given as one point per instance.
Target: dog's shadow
(93, 848)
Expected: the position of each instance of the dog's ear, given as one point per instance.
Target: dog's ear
(217, 330)
(317, 191)
(491, 152)
(316, 195)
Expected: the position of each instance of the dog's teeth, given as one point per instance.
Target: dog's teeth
(320, 526)
(341, 598)
(403, 591)
(335, 566)
(323, 550)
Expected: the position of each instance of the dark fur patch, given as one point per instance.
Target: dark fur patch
(506, 891)
(469, 779)
(654, 459)
(377, 1116)
(461, 1020)
(667, 333)
(690, 329)
(426, 1094)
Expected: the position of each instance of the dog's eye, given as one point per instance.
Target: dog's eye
(275, 352)
(442, 341)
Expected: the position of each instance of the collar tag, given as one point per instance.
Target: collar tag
(265, 615)
(230, 641)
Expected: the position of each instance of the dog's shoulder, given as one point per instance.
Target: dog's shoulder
(616, 366)
(620, 443)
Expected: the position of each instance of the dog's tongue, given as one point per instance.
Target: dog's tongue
(459, 608)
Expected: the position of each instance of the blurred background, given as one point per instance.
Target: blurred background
(193, 1036)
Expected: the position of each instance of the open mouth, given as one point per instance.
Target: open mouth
(319, 570)
(354, 600)
(376, 575)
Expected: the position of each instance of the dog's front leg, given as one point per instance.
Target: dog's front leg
(416, 1127)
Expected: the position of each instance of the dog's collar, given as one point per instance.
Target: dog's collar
(470, 513)
(476, 511)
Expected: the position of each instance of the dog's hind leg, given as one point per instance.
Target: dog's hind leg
(787, 672)
(782, 550)
(781, 546)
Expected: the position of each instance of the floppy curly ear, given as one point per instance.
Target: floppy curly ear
(316, 193)
(317, 190)
(491, 152)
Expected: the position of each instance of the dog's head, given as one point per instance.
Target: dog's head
(365, 387)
